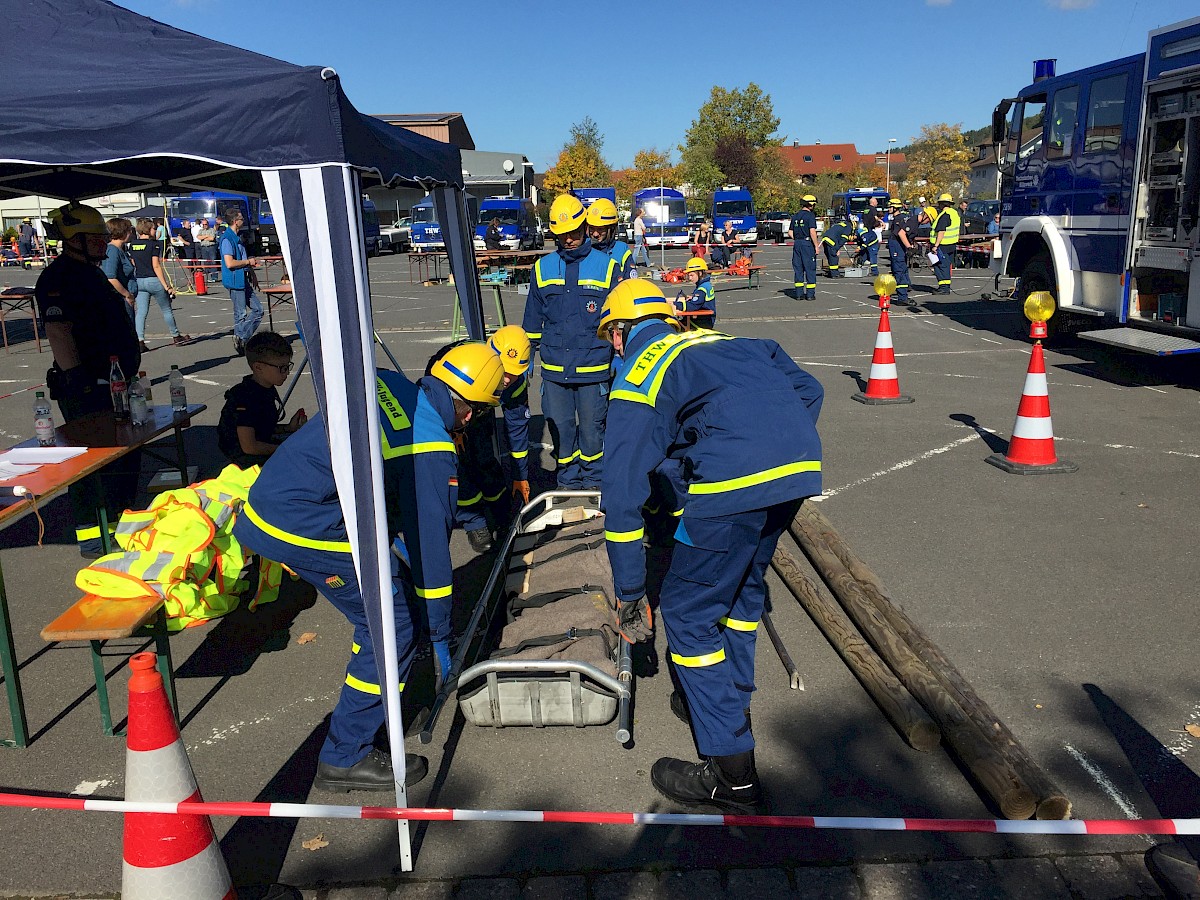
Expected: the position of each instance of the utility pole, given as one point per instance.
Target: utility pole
(889, 165)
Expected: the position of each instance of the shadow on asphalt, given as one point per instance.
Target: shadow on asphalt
(858, 379)
(1174, 788)
(994, 442)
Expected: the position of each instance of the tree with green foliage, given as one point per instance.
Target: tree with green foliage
(939, 161)
(729, 130)
(776, 187)
(581, 161)
(651, 167)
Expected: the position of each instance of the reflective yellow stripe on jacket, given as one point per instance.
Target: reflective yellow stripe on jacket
(295, 540)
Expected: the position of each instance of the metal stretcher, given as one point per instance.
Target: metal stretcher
(505, 692)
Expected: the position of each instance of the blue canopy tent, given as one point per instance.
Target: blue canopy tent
(253, 122)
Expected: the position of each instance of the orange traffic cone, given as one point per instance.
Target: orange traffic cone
(883, 385)
(166, 855)
(1031, 450)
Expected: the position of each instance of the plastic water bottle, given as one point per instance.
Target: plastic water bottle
(178, 391)
(139, 412)
(120, 390)
(43, 420)
(147, 388)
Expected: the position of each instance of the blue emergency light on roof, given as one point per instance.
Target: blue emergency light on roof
(1043, 69)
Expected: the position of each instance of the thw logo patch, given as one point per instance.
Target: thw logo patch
(335, 581)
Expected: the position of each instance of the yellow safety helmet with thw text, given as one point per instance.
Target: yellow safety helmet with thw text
(631, 300)
(602, 213)
(473, 371)
(512, 344)
(566, 214)
(696, 264)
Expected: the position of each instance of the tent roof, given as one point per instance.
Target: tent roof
(209, 117)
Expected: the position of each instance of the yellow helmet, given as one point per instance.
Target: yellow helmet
(512, 344)
(602, 213)
(896, 202)
(945, 198)
(566, 214)
(631, 300)
(473, 371)
(696, 264)
(808, 198)
(76, 218)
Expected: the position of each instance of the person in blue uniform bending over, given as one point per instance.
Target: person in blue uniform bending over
(293, 516)
(484, 501)
(902, 236)
(833, 240)
(703, 299)
(731, 424)
(602, 232)
(561, 314)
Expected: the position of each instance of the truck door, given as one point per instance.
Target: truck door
(1059, 178)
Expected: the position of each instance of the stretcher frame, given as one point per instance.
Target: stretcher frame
(544, 511)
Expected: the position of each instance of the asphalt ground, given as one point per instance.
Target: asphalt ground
(1067, 601)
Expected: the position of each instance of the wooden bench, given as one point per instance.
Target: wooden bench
(753, 276)
(101, 619)
(697, 318)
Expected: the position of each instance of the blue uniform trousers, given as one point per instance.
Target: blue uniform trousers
(804, 267)
(575, 414)
(711, 601)
(899, 258)
(873, 255)
(941, 268)
(360, 711)
(482, 495)
(831, 258)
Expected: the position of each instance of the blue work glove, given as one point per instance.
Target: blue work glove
(441, 649)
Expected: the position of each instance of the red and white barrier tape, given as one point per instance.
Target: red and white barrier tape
(850, 823)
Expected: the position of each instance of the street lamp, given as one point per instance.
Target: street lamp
(889, 164)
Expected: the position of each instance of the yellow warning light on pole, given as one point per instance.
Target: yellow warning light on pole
(1039, 306)
(885, 285)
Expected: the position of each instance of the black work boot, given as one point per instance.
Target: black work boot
(371, 773)
(480, 540)
(730, 783)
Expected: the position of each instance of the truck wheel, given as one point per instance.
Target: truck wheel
(1039, 276)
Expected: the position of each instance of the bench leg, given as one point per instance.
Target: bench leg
(162, 650)
(102, 688)
(12, 677)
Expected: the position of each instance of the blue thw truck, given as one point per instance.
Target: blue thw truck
(734, 204)
(1100, 194)
(666, 216)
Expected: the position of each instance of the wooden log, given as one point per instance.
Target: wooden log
(1052, 801)
(905, 714)
(993, 772)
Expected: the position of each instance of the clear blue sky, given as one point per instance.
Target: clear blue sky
(522, 73)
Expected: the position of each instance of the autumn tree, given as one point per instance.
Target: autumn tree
(651, 167)
(776, 187)
(729, 130)
(580, 162)
(939, 161)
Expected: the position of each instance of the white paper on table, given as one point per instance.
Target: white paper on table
(41, 455)
(9, 470)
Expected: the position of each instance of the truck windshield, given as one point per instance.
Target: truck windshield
(192, 208)
(1024, 132)
(666, 209)
(423, 214)
(506, 216)
(733, 208)
(264, 207)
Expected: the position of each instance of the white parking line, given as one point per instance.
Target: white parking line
(1105, 784)
(903, 464)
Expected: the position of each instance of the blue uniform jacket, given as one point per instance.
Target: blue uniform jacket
(835, 235)
(731, 423)
(801, 223)
(515, 402)
(293, 514)
(621, 254)
(703, 298)
(563, 311)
